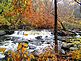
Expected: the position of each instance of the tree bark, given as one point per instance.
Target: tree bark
(55, 28)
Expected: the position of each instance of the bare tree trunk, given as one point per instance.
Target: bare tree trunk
(55, 29)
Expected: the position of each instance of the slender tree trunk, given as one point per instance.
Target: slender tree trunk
(55, 28)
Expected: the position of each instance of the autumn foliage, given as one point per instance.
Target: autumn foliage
(38, 14)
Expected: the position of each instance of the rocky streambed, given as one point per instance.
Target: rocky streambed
(37, 43)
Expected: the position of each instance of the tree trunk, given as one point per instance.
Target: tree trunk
(62, 25)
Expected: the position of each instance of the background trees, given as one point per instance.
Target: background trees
(38, 13)
(69, 13)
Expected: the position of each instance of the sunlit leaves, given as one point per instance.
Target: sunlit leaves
(20, 54)
(76, 54)
(3, 21)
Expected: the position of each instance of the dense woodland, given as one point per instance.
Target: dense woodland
(39, 14)
(30, 14)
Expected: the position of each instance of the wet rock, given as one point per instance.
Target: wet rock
(38, 37)
(9, 32)
(2, 33)
(63, 40)
(62, 33)
(42, 41)
(65, 49)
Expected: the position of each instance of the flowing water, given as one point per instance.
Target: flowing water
(7, 41)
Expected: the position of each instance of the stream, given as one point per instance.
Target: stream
(37, 40)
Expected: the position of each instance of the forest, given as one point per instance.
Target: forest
(28, 31)
(24, 13)
(39, 14)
